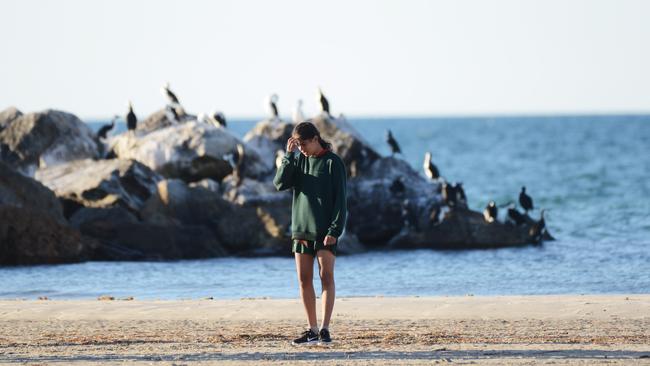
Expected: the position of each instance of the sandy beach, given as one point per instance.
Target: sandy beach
(517, 330)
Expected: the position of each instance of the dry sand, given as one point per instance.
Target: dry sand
(517, 330)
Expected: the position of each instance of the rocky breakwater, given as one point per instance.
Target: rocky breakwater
(188, 189)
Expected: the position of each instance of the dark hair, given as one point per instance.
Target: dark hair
(306, 130)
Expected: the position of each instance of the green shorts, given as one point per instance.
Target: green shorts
(312, 247)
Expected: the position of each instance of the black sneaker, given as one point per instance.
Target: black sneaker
(324, 335)
(306, 337)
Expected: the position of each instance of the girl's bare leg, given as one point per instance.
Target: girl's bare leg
(326, 263)
(305, 269)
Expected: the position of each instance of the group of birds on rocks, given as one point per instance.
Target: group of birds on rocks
(453, 195)
(174, 112)
(515, 217)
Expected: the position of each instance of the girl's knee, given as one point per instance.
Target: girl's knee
(305, 281)
(327, 278)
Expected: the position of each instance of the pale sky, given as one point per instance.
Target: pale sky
(372, 58)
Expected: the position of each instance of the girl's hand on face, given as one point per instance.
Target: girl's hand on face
(292, 144)
(329, 240)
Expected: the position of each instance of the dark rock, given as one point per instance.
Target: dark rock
(31, 236)
(464, 229)
(32, 227)
(371, 196)
(123, 240)
(21, 191)
(46, 139)
(256, 226)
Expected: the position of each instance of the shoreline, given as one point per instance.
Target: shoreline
(511, 330)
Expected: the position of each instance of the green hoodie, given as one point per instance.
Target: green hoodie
(319, 194)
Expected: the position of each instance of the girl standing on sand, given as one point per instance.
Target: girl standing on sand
(318, 216)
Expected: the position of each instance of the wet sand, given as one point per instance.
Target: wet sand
(511, 330)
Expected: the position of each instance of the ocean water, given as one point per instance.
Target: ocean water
(591, 173)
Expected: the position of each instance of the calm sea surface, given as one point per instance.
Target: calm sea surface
(592, 174)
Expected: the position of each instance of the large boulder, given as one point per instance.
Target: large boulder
(21, 191)
(267, 137)
(126, 240)
(191, 151)
(256, 227)
(29, 236)
(32, 227)
(43, 139)
(101, 183)
(394, 195)
(347, 142)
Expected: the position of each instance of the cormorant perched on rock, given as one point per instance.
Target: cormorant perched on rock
(324, 103)
(525, 201)
(170, 113)
(397, 187)
(169, 94)
(515, 216)
(240, 166)
(460, 193)
(490, 212)
(131, 119)
(297, 116)
(430, 169)
(394, 146)
(536, 231)
(448, 194)
(272, 103)
(218, 119)
(103, 131)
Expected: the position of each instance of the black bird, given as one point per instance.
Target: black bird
(515, 216)
(536, 231)
(219, 118)
(170, 113)
(430, 169)
(131, 119)
(397, 187)
(490, 212)
(272, 104)
(448, 194)
(460, 194)
(324, 103)
(169, 94)
(394, 146)
(525, 201)
(103, 131)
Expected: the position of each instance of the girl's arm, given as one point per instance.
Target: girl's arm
(285, 176)
(340, 211)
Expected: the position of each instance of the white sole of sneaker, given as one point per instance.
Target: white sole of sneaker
(314, 342)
